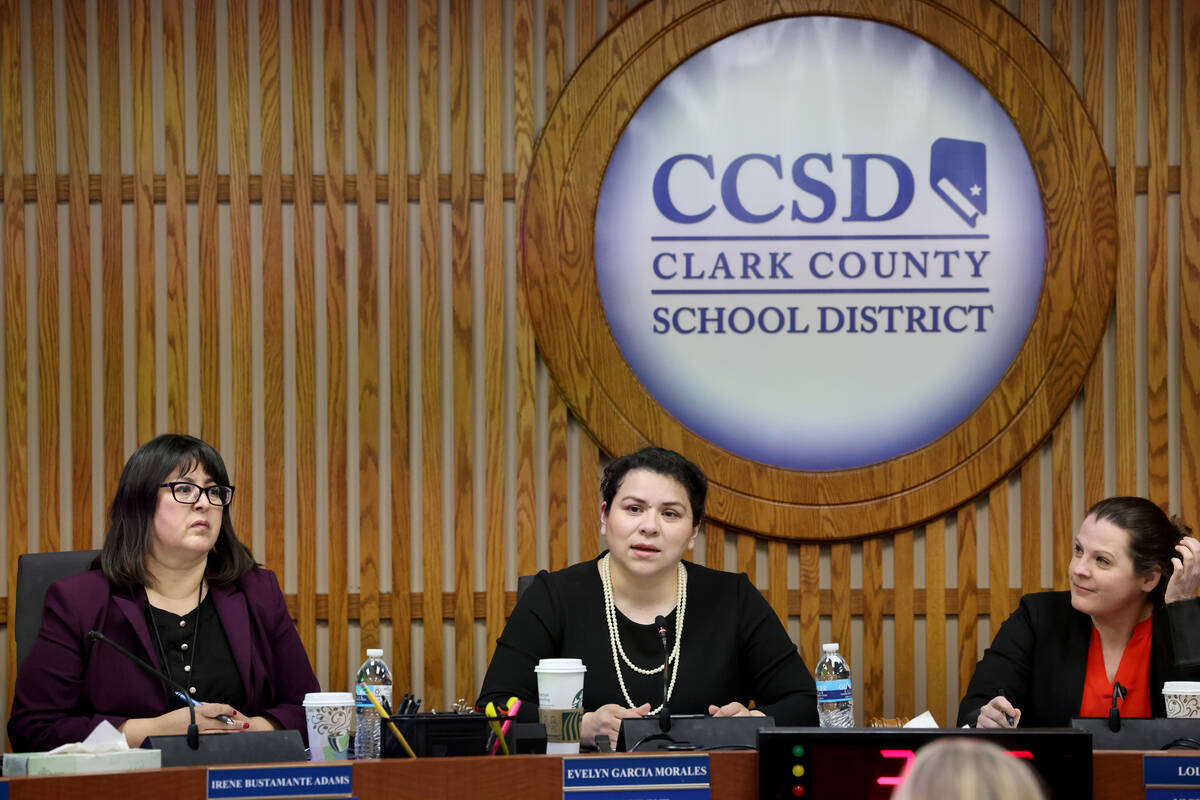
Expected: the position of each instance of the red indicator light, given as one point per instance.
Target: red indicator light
(798, 790)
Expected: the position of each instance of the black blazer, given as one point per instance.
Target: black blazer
(1039, 658)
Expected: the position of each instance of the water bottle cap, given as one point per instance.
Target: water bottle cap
(374, 652)
(830, 647)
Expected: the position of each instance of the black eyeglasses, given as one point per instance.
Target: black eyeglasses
(187, 493)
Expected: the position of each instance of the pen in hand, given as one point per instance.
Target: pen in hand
(194, 702)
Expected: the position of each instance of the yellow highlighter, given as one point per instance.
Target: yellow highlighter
(384, 715)
(495, 723)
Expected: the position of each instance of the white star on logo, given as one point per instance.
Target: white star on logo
(975, 190)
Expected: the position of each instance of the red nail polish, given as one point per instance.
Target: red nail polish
(245, 726)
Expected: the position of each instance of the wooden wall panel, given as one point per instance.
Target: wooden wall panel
(274, 437)
(422, 372)
(463, 326)
(336, 372)
(398, 346)
(175, 167)
(305, 358)
(47, 281)
(79, 253)
(431, 350)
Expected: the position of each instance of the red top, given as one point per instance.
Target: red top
(1133, 673)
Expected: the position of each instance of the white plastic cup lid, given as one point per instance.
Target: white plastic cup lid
(329, 699)
(1181, 687)
(560, 665)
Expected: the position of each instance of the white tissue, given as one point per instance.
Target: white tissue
(922, 720)
(103, 739)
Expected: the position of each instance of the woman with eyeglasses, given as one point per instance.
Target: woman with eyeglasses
(174, 586)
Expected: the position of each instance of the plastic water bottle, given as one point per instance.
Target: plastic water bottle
(374, 673)
(835, 705)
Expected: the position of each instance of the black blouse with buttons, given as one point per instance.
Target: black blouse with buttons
(199, 659)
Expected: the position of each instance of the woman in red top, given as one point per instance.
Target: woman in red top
(1130, 621)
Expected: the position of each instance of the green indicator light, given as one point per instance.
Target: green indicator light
(798, 751)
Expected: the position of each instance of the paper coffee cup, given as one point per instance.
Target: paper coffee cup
(330, 718)
(1182, 698)
(560, 702)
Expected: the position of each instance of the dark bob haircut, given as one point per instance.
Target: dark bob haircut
(131, 517)
(663, 462)
(1152, 536)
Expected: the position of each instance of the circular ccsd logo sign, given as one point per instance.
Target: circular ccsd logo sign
(820, 243)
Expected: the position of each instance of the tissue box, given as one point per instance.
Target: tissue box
(67, 763)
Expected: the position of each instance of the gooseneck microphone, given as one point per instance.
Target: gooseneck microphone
(1114, 714)
(664, 716)
(193, 733)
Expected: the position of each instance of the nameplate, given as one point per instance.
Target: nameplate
(259, 782)
(1171, 770)
(636, 777)
(1172, 794)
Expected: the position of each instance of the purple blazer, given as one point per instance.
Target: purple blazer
(68, 683)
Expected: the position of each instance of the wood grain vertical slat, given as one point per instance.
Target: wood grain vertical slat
(935, 620)
(47, 278)
(870, 664)
(714, 545)
(80, 253)
(1060, 33)
(397, 94)
(777, 580)
(1061, 535)
(556, 470)
(462, 302)
(207, 230)
(239, 265)
(585, 28)
(175, 169)
(968, 601)
(1030, 14)
(335, 333)
(1126, 440)
(998, 536)
(903, 644)
(589, 497)
(555, 50)
(17, 457)
(274, 535)
(431, 348)
(368, 327)
(1157, 435)
(839, 582)
(1189, 266)
(495, 353)
(112, 300)
(1031, 523)
(142, 95)
(747, 555)
(1093, 389)
(524, 396)
(810, 603)
(616, 10)
(305, 287)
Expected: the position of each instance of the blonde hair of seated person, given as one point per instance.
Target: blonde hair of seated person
(962, 767)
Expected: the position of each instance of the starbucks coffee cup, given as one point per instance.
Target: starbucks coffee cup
(560, 702)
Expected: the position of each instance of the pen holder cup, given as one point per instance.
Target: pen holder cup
(440, 735)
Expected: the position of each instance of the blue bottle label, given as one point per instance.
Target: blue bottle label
(833, 691)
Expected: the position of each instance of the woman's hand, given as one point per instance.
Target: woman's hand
(606, 721)
(997, 713)
(1185, 579)
(176, 723)
(734, 709)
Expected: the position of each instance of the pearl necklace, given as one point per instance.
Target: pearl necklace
(614, 638)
